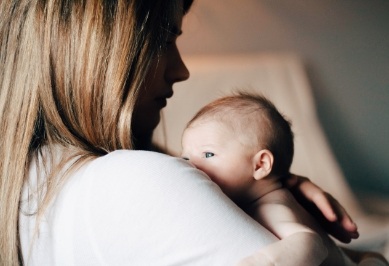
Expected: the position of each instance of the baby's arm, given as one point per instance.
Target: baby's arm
(274, 212)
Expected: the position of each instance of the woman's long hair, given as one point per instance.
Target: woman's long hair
(69, 75)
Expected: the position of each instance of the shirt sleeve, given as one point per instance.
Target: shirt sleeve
(145, 208)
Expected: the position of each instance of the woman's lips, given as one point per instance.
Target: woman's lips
(162, 102)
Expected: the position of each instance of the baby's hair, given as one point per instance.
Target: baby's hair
(256, 109)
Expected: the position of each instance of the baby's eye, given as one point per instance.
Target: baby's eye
(208, 154)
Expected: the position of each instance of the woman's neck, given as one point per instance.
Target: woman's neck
(143, 142)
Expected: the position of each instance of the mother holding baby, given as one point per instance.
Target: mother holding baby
(82, 84)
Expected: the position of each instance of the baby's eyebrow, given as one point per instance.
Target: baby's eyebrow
(209, 146)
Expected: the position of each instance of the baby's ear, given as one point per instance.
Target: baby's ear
(263, 164)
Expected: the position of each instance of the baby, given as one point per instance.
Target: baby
(246, 146)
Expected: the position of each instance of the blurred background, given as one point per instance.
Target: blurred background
(345, 49)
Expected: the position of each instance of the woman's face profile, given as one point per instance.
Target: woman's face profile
(166, 69)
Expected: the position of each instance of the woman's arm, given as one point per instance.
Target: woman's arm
(307, 249)
(327, 210)
(277, 211)
(366, 258)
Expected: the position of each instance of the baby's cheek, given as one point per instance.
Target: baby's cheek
(226, 180)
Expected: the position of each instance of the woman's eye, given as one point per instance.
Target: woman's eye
(208, 154)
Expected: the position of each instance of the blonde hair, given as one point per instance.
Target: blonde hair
(69, 75)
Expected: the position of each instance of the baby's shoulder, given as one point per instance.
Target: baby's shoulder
(278, 196)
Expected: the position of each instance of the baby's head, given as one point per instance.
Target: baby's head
(237, 140)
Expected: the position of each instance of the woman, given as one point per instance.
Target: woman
(81, 87)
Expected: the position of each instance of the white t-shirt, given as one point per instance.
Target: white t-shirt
(138, 208)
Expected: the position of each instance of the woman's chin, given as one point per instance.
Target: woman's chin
(147, 125)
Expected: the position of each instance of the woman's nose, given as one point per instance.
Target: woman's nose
(177, 70)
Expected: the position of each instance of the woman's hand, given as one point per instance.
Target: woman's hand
(365, 258)
(325, 208)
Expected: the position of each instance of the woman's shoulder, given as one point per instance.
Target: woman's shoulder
(128, 167)
(132, 160)
(117, 207)
(126, 202)
(136, 155)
